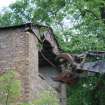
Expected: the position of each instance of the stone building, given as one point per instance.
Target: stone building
(31, 51)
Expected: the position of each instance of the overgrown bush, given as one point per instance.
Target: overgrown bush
(9, 88)
(89, 91)
(10, 91)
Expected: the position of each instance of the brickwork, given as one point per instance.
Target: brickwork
(18, 50)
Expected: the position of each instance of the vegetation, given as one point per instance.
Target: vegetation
(9, 88)
(89, 91)
(79, 25)
(10, 91)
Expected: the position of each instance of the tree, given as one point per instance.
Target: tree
(86, 21)
(79, 25)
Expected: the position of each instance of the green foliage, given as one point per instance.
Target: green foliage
(84, 31)
(9, 88)
(89, 91)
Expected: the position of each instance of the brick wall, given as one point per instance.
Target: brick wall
(18, 51)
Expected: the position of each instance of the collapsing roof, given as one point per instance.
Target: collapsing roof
(20, 49)
(47, 41)
(49, 50)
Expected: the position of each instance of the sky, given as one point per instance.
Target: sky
(5, 3)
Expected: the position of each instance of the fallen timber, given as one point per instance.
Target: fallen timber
(78, 64)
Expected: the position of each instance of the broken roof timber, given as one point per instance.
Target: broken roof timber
(96, 67)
